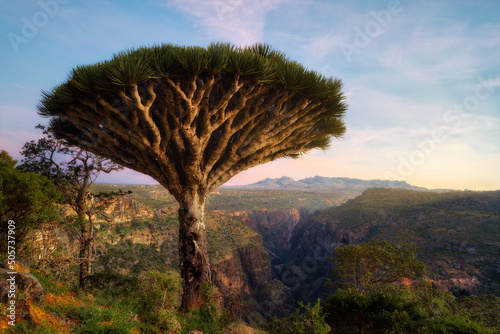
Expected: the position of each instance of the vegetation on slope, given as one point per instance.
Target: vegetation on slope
(454, 231)
(116, 304)
(382, 290)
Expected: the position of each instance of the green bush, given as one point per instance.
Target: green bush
(111, 283)
(306, 319)
(457, 325)
(384, 311)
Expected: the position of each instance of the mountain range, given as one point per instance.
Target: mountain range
(326, 184)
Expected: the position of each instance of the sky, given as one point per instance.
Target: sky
(422, 78)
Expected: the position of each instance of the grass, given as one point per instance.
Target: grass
(121, 304)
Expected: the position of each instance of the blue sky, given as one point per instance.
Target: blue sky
(422, 78)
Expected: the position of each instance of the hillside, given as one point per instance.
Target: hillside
(457, 234)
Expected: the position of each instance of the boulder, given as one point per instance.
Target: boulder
(26, 283)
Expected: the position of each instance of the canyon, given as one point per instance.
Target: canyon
(271, 248)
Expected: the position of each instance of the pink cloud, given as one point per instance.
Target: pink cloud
(238, 21)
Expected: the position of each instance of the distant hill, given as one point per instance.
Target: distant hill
(322, 184)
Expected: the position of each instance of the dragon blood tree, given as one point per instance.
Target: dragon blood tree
(192, 118)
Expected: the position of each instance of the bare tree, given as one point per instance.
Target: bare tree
(194, 117)
(73, 170)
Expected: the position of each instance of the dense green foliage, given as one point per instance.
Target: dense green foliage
(396, 309)
(367, 305)
(385, 310)
(307, 319)
(259, 62)
(6, 159)
(375, 265)
(121, 304)
(28, 199)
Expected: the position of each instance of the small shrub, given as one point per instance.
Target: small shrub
(307, 319)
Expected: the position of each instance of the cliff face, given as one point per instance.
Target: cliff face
(243, 270)
(313, 243)
(276, 229)
(243, 278)
(122, 210)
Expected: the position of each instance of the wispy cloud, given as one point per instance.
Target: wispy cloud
(237, 21)
(26, 87)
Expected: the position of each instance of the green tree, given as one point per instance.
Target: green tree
(192, 118)
(306, 319)
(73, 170)
(6, 159)
(371, 296)
(391, 309)
(367, 267)
(372, 299)
(28, 199)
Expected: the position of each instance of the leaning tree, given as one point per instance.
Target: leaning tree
(192, 118)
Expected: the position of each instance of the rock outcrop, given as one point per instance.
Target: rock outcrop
(17, 280)
(124, 209)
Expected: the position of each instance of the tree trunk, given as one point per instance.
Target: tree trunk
(193, 253)
(84, 260)
(85, 250)
(85, 246)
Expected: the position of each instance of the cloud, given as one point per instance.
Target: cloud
(431, 48)
(428, 52)
(17, 127)
(325, 44)
(237, 21)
